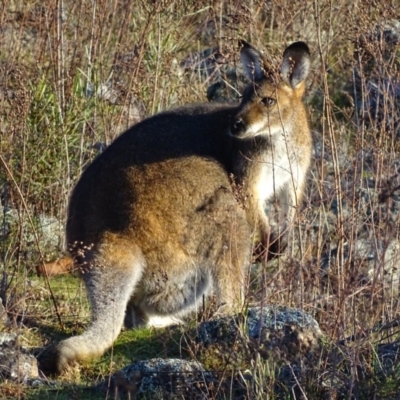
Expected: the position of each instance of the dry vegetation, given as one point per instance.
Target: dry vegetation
(75, 74)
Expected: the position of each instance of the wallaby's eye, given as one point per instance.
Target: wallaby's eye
(268, 101)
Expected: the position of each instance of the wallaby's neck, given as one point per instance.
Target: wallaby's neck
(248, 155)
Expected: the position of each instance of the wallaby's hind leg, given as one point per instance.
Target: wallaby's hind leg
(162, 302)
(135, 317)
(110, 274)
(219, 261)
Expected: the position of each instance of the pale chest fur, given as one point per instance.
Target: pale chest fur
(277, 168)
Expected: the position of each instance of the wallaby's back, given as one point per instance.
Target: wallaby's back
(165, 149)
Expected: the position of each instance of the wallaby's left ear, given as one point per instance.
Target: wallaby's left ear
(296, 64)
(252, 61)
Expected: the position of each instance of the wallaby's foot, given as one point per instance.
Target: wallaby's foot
(55, 359)
(163, 321)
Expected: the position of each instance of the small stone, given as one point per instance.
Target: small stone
(273, 328)
(160, 378)
(16, 363)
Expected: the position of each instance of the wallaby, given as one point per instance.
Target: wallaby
(155, 222)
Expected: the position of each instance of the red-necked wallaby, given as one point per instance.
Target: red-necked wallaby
(154, 222)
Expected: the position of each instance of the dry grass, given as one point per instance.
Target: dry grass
(75, 74)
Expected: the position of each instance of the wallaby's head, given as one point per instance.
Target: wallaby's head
(274, 96)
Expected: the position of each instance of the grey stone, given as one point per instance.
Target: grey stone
(16, 363)
(47, 232)
(203, 63)
(225, 79)
(376, 89)
(379, 106)
(389, 357)
(381, 260)
(277, 317)
(387, 271)
(268, 330)
(7, 337)
(160, 379)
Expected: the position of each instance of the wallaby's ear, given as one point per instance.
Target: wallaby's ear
(252, 61)
(296, 64)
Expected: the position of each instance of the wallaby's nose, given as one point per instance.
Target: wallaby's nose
(237, 126)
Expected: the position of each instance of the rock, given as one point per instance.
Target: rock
(387, 271)
(7, 337)
(203, 63)
(376, 89)
(279, 317)
(225, 80)
(289, 332)
(287, 339)
(48, 230)
(380, 104)
(380, 261)
(113, 93)
(16, 363)
(389, 357)
(160, 378)
(269, 331)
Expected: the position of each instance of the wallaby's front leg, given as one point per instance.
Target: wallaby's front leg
(271, 244)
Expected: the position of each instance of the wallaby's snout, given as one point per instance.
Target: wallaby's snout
(238, 126)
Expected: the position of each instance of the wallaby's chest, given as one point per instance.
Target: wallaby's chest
(269, 171)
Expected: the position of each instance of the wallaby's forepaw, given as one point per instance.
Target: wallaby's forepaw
(277, 245)
(274, 248)
(163, 321)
